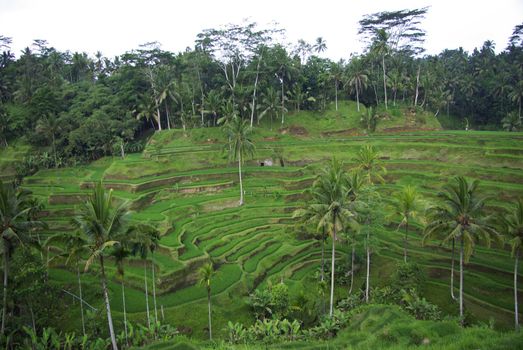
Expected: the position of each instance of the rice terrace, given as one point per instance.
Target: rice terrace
(252, 194)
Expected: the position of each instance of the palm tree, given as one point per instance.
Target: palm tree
(330, 193)
(49, 127)
(336, 73)
(75, 246)
(358, 80)
(206, 273)
(311, 216)
(355, 184)
(119, 253)
(407, 206)
(516, 95)
(102, 223)
(514, 229)
(15, 228)
(320, 45)
(144, 239)
(270, 103)
(381, 48)
(511, 122)
(460, 217)
(214, 104)
(240, 145)
(368, 160)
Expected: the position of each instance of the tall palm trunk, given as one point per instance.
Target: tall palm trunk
(367, 279)
(336, 94)
(405, 242)
(323, 255)
(516, 315)
(255, 88)
(352, 269)
(146, 294)
(108, 305)
(159, 119)
(4, 301)
(154, 292)
(124, 313)
(417, 87)
(452, 271)
(209, 311)
(282, 103)
(461, 282)
(167, 116)
(81, 298)
(331, 308)
(240, 175)
(384, 79)
(357, 97)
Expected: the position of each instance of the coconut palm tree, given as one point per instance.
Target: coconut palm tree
(460, 216)
(144, 240)
(270, 104)
(355, 184)
(330, 195)
(514, 233)
(407, 206)
(49, 127)
(103, 223)
(240, 145)
(15, 229)
(357, 81)
(206, 273)
(368, 161)
(74, 246)
(320, 45)
(119, 254)
(380, 47)
(336, 74)
(511, 122)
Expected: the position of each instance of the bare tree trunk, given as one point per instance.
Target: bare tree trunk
(405, 242)
(108, 305)
(367, 281)
(255, 87)
(384, 79)
(452, 272)
(4, 301)
(323, 256)
(209, 307)
(333, 259)
(240, 175)
(417, 87)
(461, 282)
(159, 119)
(352, 269)
(516, 314)
(81, 298)
(154, 292)
(357, 98)
(282, 103)
(146, 294)
(124, 313)
(167, 116)
(336, 94)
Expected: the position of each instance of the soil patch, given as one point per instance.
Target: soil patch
(294, 130)
(272, 138)
(347, 132)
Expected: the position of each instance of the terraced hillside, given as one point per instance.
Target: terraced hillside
(184, 185)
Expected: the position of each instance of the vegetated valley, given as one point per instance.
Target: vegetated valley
(146, 203)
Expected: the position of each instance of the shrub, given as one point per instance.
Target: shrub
(408, 276)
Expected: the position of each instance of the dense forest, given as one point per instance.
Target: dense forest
(85, 107)
(130, 166)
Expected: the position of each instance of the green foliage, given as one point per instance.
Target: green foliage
(408, 276)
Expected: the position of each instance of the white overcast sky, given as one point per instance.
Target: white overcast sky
(116, 26)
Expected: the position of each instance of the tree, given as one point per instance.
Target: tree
(460, 216)
(514, 233)
(355, 185)
(240, 145)
(270, 103)
(49, 127)
(511, 122)
(357, 80)
(206, 273)
(407, 206)
(330, 195)
(15, 228)
(368, 160)
(119, 253)
(74, 246)
(381, 48)
(144, 240)
(516, 95)
(103, 223)
(336, 74)
(320, 45)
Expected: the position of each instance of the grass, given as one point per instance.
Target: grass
(189, 190)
